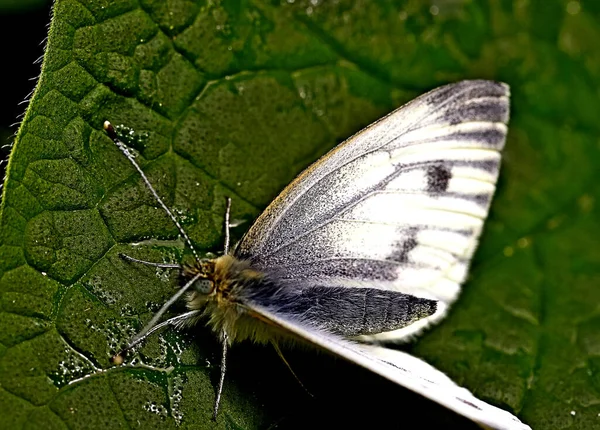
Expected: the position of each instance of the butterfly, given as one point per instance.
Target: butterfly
(369, 245)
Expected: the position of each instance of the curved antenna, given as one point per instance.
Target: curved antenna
(227, 225)
(152, 325)
(149, 263)
(110, 130)
(118, 358)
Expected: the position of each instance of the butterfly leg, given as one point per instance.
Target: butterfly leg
(150, 263)
(280, 354)
(227, 225)
(225, 343)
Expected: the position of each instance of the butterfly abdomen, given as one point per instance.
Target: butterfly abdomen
(344, 311)
(358, 311)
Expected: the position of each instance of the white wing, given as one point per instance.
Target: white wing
(405, 370)
(400, 205)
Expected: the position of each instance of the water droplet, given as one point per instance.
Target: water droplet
(136, 140)
(554, 222)
(72, 367)
(573, 7)
(176, 397)
(586, 203)
(160, 410)
(523, 242)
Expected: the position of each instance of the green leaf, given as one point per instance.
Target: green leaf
(234, 98)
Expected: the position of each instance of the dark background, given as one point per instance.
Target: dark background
(23, 29)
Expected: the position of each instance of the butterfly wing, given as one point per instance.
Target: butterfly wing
(400, 205)
(403, 369)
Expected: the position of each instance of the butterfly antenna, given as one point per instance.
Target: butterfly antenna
(110, 130)
(152, 325)
(149, 263)
(120, 357)
(227, 225)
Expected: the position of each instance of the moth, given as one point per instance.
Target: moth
(369, 245)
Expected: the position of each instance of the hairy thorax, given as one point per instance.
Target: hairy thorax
(232, 280)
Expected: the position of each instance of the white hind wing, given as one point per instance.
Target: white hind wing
(403, 369)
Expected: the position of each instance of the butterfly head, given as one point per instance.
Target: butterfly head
(218, 280)
(218, 290)
(203, 271)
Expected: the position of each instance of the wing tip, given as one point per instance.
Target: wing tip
(502, 88)
(477, 100)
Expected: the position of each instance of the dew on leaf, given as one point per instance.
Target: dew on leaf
(175, 398)
(71, 368)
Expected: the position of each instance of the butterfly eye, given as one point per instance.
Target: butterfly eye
(204, 286)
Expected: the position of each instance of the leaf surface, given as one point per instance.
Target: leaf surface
(228, 98)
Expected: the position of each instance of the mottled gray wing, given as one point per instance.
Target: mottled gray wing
(400, 205)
